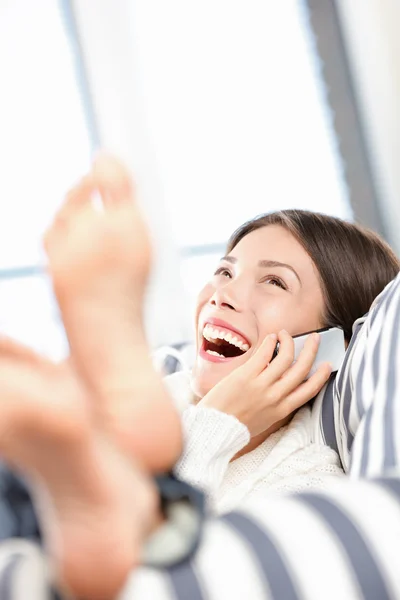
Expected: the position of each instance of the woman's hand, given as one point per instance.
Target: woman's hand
(260, 393)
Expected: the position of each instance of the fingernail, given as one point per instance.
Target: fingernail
(273, 336)
(315, 337)
(283, 331)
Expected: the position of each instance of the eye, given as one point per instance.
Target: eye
(224, 272)
(274, 280)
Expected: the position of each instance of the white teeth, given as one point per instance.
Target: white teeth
(214, 353)
(210, 334)
(207, 333)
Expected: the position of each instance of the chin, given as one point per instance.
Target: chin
(203, 380)
(201, 385)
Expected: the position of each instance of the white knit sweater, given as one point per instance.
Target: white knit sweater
(286, 462)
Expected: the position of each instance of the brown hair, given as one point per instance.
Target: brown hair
(354, 264)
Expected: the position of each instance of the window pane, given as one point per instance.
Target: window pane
(236, 111)
(44, 147)
(29, 314)
(44, 143)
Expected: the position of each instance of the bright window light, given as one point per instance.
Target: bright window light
(237, 114)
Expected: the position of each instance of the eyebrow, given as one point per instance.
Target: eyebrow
(266, 264)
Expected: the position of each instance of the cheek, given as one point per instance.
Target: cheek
(284, 313)
(202, 299)
(273, 317)
(280, 312)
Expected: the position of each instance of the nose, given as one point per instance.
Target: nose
(228, 297)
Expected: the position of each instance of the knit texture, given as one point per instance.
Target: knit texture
(287, 462)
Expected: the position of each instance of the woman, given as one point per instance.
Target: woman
(295, 270)
(80, 452)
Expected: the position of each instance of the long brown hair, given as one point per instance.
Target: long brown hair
(354, 263)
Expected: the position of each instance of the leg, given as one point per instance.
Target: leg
(94, 505)
(99, 261)
(91, 491)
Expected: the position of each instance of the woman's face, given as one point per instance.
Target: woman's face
(267, 283)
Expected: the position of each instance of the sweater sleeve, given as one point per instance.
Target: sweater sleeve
(211, 440)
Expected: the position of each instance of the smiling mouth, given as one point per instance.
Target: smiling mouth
(223, 343)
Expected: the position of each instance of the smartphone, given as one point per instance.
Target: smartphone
(331, 347)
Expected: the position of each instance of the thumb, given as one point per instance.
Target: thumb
(263, 355)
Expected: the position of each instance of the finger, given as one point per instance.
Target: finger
(113, 180)
(298, 371)
(262, 357)
(308, 389)
(283, 361)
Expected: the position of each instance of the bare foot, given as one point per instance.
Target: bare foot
(99, 260)
(95, 507)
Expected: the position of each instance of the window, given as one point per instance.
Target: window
(234, 108)
(238, 118)
(44, 147)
